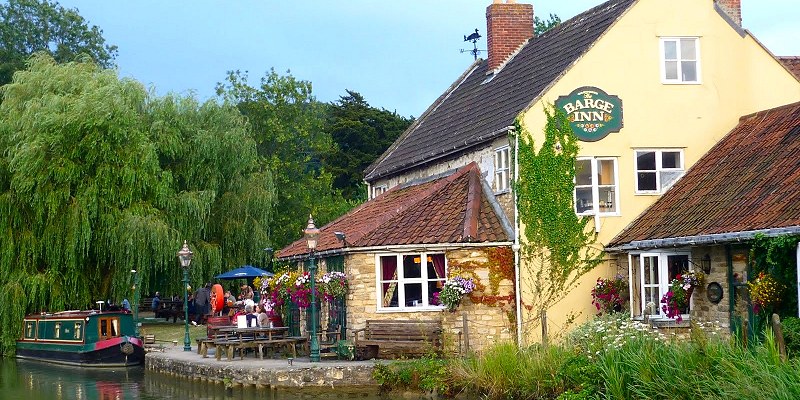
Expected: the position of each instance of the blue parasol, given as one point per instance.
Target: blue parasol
(244, 272)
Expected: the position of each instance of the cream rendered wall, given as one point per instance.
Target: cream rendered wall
(738, 77)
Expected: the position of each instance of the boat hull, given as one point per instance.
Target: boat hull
(117, 352)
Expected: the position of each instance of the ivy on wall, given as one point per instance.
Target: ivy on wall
(557, 246)
(500, 264)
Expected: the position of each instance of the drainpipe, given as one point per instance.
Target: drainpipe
(516, 246)
(630, 284)
(731, 286)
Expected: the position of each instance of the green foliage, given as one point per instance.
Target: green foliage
(791, 334)
(776, 256)
(28, 26)
(615, 358)
(426, 374)
(97, 178)
(287, 124)
(541, 26)
(362, 133)
(558, 246)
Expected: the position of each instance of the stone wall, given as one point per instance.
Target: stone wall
(485, 325)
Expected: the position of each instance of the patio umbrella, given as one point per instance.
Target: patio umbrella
(244, 272)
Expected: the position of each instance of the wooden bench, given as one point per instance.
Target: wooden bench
(392, 338)
(213, 324)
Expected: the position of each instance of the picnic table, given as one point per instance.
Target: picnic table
(230, 339)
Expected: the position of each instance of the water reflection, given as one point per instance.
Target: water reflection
(20, 379)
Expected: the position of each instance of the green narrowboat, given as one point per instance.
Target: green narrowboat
(83, 338)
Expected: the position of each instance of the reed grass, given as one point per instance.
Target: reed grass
(618, 359)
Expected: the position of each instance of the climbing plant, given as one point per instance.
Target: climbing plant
(557, 247)
(500, 266)
(777, 256)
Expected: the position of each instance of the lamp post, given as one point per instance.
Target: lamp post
(312, 233)
(135, 288)
(185, 257)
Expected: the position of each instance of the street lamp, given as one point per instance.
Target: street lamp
(312, 233)
(185, 257)
(136, 301)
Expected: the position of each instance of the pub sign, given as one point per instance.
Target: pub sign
(591, 112)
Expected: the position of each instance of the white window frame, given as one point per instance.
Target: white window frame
(502, 170)
(401, 281)
(663, 279)
(680, 58)
(379, 190)
(658, 171)
(595, 210)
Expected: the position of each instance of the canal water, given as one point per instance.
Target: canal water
(21, 379)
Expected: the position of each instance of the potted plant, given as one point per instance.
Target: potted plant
(676, 300)
(609, 295)
(453, 291)
(765, 292)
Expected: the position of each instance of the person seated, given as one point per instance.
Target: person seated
(252, 317)
(247, 293)
(263, 318)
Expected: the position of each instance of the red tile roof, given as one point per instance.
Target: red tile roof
(792, 64)
(455, 208)
(749, 181)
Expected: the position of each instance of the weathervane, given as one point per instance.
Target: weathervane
(473, 37)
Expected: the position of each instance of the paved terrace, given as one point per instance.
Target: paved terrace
(271, 373)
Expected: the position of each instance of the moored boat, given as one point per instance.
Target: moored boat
(82, 338)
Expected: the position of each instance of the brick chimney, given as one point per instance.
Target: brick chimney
(508, 26)
(733, 8)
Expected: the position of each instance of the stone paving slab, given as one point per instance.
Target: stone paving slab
(276, 372)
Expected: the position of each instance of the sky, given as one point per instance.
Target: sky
(399, 54)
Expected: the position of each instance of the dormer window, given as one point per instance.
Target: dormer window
(680, 60)
(379, 190)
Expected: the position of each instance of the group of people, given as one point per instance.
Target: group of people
(233, 306)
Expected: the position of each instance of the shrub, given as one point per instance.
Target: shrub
(791, 334)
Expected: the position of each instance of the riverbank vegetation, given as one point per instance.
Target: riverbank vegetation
(614, 358)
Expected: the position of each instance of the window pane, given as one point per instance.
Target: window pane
(583, 200)
(646, 181)
(413, 294)
(607, 201)
(671, 159)
(688, 49)
(389, 294)
(670, 50)
(669, 177)
(412, 266)
(689, 71)
(671, 69)
(605, 172)
(675, 265)
(651, 295)
(583, 172)
(646, 161)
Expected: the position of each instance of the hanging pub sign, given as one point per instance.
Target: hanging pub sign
(591, 112)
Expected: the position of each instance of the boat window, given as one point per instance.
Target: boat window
(30, 329)
(58, 330)
(78, 328)
(115, 327)
(109, 327)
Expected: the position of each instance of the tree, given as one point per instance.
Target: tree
(362, 133)
(287, 124)
(558, 247)
(98, 178)
(28, 26)
(541, 26)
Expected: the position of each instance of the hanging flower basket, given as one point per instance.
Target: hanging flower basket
(453, 291)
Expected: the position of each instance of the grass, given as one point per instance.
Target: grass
(168, 332)
(614, 358)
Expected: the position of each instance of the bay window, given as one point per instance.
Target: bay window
(408, 281)
(656, 272)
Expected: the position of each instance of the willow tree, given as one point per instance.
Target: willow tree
(559, 247)
(98, 177)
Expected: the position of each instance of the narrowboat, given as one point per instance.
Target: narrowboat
(81, 338)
